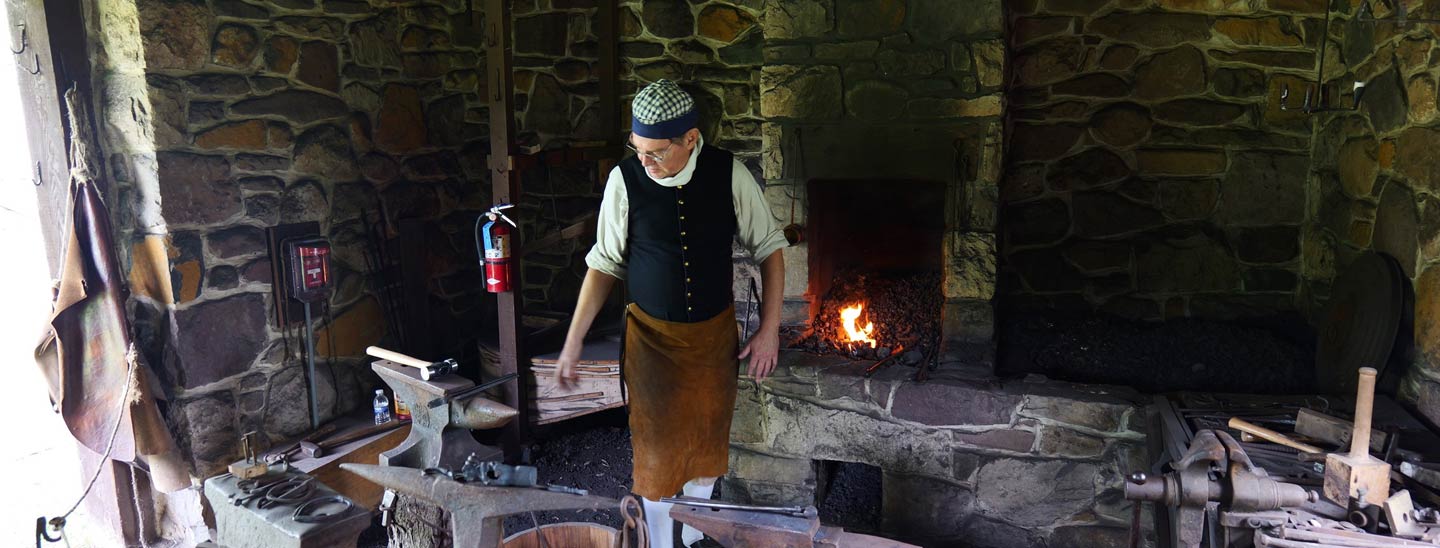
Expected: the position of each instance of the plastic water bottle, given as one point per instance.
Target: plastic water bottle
(382, 407)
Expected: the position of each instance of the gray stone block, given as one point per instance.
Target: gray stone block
(251, 527)
(1033, 493)
(924, 507)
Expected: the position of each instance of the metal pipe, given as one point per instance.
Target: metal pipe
(310, 369)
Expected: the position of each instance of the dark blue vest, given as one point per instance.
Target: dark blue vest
(679, 266)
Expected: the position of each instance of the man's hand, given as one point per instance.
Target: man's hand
(762, 349)
(565, 374)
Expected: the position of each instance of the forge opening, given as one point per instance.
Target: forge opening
(875, 258)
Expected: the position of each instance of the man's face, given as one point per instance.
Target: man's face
(675, 153)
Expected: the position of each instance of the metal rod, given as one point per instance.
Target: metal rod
(786, 510)
(310, 369)
(437, 402)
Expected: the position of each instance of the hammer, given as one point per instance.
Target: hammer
(1357, 474)
(428, 370)
(317, 450)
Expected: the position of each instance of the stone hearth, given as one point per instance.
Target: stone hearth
(964, 456)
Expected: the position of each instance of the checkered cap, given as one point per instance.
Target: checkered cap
(662, 110)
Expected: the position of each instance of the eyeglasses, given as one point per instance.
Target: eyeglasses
(657, 157)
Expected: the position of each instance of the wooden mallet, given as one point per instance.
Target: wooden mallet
(1357, 474)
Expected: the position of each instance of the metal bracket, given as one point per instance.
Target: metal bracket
(1310, 108)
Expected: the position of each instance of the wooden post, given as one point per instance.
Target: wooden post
(505, 185)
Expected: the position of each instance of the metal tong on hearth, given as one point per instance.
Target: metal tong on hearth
(782, 510)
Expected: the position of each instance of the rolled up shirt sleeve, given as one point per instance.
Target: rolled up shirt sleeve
(611, 229)
(758, 231)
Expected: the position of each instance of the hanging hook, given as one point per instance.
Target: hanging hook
(39, 175)
(24, 40)
(27, 69)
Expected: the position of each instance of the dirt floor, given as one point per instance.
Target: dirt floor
(1273, 356)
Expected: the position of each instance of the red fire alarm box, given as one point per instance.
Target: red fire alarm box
(309, 268)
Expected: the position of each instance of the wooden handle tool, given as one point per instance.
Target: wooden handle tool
(314, 450)
(1357, 474)
(427, 369)
(1271, 435)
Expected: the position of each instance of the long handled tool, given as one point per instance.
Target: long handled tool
(701, 503)
(428, 370)
(1357, 474)
(275, 455)
(315, 450)
(1271, 435)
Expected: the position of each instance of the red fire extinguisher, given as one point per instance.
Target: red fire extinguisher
(497, 249)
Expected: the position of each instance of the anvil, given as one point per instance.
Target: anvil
(469, 504)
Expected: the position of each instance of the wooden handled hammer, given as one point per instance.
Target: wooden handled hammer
(1357, 474)
(314, 449)
(428, 370)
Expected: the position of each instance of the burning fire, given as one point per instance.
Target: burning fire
(848, 316)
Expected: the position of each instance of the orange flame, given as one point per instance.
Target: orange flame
(848, 316)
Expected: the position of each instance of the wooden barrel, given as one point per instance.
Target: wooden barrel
(568, 535)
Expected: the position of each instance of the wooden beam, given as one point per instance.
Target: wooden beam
(505, 188)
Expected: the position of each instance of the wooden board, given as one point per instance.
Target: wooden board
(367, 450)
(600, 352)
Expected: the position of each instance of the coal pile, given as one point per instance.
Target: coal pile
(905, 310)
(590, 452)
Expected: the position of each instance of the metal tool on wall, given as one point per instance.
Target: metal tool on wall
(1316, 103)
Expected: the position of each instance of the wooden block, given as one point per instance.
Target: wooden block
(1348, 477)
(327, 470)
(244, 469)
(1399, 513)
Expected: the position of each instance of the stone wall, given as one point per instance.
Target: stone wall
(1019, 464)
(1151, 172)
(1373, 185)
(293, 111)
(223, 117)
(710, 47)
(885, 91)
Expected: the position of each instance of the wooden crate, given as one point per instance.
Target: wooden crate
(597, 389)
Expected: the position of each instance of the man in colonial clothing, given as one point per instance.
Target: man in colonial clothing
(667, 222)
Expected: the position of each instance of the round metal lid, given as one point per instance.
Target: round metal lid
(1360, 322)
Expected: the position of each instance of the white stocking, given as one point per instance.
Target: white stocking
(700, 488)
(659, 523)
